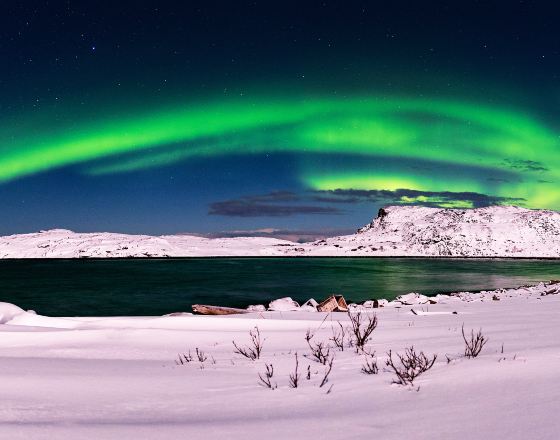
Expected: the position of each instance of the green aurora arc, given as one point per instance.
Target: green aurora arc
(443, 132)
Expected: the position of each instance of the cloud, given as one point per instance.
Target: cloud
(445, 199)
(269, 205)
(525, 165)
(274, 196)
(500, 180)
(274, 204)
(241, 208)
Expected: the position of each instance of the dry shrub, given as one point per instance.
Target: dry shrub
(252, 351)
(363, 326)
(410, 365)
(266, 381)
(474, 343)
(294, 377)
(320, 351)
(370, 365)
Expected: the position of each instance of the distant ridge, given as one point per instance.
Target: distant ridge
(407, 231)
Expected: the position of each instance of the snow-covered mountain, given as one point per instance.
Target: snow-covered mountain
(499, 231)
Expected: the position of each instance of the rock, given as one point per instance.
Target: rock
(310, 302)
(256, 308)
(283, 305)
(307, 308)
(411, 299)
(371, 304)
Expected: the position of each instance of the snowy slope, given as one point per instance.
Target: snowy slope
(397, 231)
(420, 231)
(116, 378)
(61, 243)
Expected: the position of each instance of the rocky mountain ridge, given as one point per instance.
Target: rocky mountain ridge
(407, 231)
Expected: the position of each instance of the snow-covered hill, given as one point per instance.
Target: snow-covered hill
(397, 231)
(61, 243)
(498, 231)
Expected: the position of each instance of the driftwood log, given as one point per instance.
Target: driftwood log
(216, 310)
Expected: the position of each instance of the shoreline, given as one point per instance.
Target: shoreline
(117, 370)
(544, 288)
(287, 304)
(282, 257)
(241, 282)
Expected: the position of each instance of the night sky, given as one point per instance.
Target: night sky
(297, 119)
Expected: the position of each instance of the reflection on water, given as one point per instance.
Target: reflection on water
(151, 287)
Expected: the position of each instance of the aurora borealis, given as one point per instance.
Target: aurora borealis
(417, 142)
(457, 133)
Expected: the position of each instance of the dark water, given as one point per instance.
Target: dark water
(154, 287)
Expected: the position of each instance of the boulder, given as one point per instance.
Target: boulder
(283, 305)
(256, 308)
(413, 298)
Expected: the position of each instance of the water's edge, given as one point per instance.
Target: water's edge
(156, 286)
(287, 257)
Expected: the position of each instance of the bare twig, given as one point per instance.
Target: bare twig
(187, 358)
(309, 335)
(184, 358)
(294, 377)
(266, 381)
(474, 343)
(370, 366)
(319, 350)
(338, 336)
(327, 372)
(362, 328)
(411, 366)
(201, 355)
(254, 350)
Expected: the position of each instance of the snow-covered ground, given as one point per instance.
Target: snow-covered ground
(499, 231)
(116, 378)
